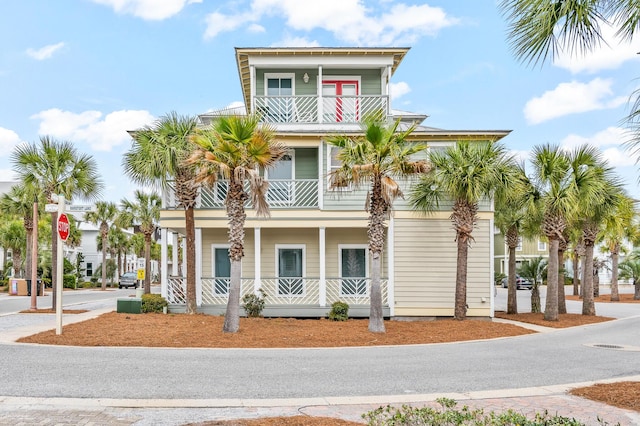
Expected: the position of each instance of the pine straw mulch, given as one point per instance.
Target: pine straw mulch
(205, 331)
(622, 394)
(564, 320)
(606, 298)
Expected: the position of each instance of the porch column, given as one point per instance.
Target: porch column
(391, 265)
(164, 267)
(257, 247)
(492, 271)
(321, 180)
(199, 266)
(252, 76)
(322, 290)
(174, 254)
(319, 92)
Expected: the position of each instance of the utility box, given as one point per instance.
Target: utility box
(130, 305)
(18, 287)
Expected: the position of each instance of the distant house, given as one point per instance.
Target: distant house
(527, 249)
(313, 250)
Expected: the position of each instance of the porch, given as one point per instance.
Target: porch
(285, 296)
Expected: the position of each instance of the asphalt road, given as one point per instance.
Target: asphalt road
(558, 357)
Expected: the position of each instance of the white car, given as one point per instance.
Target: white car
(128, 279)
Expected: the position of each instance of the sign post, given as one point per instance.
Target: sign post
(63, 229)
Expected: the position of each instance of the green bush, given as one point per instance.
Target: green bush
(339, 311)
(447, 414)
(69, 281)
(88, 284)
(253, 304)
(153, 303)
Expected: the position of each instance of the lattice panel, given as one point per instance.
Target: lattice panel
(291, 291)
(342, 289)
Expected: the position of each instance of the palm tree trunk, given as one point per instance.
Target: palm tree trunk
(147, 263)
(576, 273)
(588, 305)
(615, 296)
(562, 303)
(237, 216)
(190, 230)
(636, 295)
(551, 306)
(512, 292)
(460, 310)
(536, 307)
(376, 319)
(17, 263)
(376, 231)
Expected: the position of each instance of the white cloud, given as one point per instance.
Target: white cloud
(152, 10)
(90, 127)
(45, 52)
(350, 21)
(611, 54)
(7, 175)
(8, 140)
(399, 89)
(609, 141)
(572, 98)
(296, 42)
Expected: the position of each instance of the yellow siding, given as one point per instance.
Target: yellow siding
(425, 266)
(333, 238)
(307, 237)
(220, 236)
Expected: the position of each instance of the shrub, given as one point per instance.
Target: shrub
(447, 414)
(339, 311)
(69, 281)
(253, 304)
(153, 303)
(88, 284)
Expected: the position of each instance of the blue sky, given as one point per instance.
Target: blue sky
(88, 70)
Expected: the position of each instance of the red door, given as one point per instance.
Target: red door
(340, 100)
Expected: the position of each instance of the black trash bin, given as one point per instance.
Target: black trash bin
(38, 291)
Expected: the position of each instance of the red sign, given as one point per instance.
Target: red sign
(63, 227)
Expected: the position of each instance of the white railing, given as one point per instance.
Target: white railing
(281, 290)
(281, 193)
(305, 109)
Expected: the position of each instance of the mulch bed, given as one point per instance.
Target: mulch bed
(564, 320)
(606, 298)
(622, 394)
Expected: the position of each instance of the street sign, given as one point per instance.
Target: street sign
(63, 227)
(141, 274)
(80, 208)
(50, 208)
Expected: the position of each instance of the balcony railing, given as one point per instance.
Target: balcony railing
(281, 291)
(281, 194)
(319, 109)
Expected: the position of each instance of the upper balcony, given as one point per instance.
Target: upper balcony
(312, 109)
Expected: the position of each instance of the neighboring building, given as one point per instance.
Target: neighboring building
(528, 248)
(313, 250)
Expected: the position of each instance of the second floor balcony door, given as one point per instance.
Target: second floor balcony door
(280, 98)
(340, 101)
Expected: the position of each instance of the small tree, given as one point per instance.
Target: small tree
(535, 270)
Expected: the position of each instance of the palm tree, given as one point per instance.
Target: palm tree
(236, 148)
(13, 237)
(157, 157)
(617, 226)
(144, 212)
(630, 268)
(515, 215)
(551, 175)
(377, 159)
(103, 216)
(56, 168)
(19, 202)
(598, 192)
(465, 173)
(535, 270)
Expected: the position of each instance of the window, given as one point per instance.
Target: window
(279, 91)
(519, 246)
(281, 177)
(333, 164)
(290, 269)
(542, 246)
(89, 269)
(353, 270)
(221, 269)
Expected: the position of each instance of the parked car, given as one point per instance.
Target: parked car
(521, 283)
(128, 279)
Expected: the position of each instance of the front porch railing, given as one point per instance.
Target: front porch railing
(282, 290)
(319, 109)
